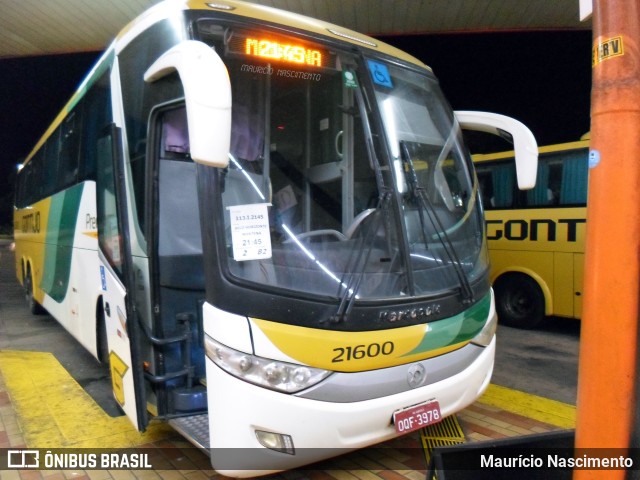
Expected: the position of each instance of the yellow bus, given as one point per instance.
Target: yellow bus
(228, 213)
(536, 238)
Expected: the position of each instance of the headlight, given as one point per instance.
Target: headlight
(281, 376)
(489, 330)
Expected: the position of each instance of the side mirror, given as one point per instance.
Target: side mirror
(207, 92)
(524, 143)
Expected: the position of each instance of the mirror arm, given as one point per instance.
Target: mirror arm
(524, 143)
(207, 92)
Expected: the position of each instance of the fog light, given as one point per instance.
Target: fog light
(276, 441)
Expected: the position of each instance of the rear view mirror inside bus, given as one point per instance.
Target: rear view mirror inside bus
(524, 143)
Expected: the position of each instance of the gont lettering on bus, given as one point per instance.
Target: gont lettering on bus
(529, 229)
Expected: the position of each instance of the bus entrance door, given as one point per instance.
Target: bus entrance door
(119, 315)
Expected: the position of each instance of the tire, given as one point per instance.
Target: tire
(34, 307)
(519, 301)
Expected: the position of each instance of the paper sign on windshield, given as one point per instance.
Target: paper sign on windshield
(250, 231)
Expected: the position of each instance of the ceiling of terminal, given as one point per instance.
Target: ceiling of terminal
(43, 27)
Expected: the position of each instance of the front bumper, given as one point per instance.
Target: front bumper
(319, 429)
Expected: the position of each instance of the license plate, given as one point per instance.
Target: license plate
(417, 417)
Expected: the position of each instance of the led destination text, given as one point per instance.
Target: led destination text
(284, 52)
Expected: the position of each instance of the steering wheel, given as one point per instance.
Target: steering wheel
(357, 221)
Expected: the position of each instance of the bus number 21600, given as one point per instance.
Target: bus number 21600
(358, 352)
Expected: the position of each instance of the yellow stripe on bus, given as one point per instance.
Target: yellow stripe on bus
(352, 351)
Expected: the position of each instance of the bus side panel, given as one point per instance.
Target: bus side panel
(578, 277)
(30, 227)
(541, 242)
(537, 229)
(78, 309)
(563, 284)
(56, 239)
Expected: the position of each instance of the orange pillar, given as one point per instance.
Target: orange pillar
(609, 336)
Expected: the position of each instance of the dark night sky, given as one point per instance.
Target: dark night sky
(541, 78)
(33, 90)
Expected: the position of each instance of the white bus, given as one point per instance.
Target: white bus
(270, 228)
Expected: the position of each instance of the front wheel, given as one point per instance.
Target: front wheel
(519, 301)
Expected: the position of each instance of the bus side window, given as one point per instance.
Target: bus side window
(179, 238)
(575, 173)
(109, 236)
(540, 195)
(503, 180)
(175, 134)
(33, 178)
(485, 185)
(95, 109)
(69, 148)
(51, 158)
(179, 221)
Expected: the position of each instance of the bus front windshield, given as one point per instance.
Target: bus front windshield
(347, 178)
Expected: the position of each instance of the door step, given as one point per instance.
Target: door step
(194, 428)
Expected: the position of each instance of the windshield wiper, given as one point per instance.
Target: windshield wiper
(352, 285)
(351, 281)
(424, 203)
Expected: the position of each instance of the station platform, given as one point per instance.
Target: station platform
(42, 406)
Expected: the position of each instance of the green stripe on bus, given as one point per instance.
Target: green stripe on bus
(457, 329)
(63, 215)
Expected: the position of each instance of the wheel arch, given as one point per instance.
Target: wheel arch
(27, 268)
(101, 352)
(23, 270)
(546, 291)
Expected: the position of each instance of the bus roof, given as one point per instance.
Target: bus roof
(262, 13)
(168, 8)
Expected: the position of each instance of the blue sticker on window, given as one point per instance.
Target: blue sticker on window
(380, 74)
